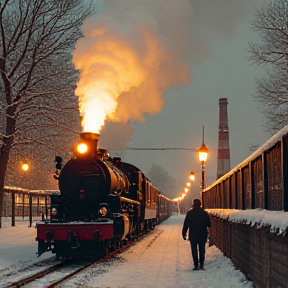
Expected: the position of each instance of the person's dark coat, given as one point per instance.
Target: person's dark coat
(197, 220)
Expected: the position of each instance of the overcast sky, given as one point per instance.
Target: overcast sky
(211, 39)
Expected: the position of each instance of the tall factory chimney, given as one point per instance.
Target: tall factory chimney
(223, 160)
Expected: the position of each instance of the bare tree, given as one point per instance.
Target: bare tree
(37, 82)
(162, 180)
(271, 52)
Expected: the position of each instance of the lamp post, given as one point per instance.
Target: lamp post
(202, 156)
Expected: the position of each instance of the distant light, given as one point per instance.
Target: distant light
(192, 176)
(25, 167)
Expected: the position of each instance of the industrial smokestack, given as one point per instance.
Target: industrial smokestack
(223, 160)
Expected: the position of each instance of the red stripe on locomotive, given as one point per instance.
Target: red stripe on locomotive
(84, 231)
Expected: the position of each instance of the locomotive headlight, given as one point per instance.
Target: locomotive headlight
(82, 148)
(103, 211)
(53, 211)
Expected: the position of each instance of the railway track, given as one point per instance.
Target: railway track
(51, 276)
(58, 273)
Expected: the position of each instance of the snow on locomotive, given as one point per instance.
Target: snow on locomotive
(102, 203)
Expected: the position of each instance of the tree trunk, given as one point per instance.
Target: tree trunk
(4, 157)
(5, 150)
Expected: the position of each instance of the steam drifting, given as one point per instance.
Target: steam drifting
(130, 54)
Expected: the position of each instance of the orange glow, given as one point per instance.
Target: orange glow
(82, 148)
(126, 63)
(203, 153)
(25, 167)
(192, 176)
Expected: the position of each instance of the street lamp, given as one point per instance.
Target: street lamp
(186, 189)
(192, 176)
(25, 167)
(202, 156)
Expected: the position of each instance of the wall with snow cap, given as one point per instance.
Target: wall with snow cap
(256, 241)
(276, 220)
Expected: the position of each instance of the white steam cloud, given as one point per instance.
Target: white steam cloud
(130, 54)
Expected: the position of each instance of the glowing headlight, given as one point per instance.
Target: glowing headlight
(103, 211)
(82, 148)
(53, 211)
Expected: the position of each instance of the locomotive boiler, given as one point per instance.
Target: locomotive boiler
(102, 203)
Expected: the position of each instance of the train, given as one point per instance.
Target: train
(103, 202)
(259, 182)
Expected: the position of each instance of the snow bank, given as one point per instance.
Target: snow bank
(277, 220)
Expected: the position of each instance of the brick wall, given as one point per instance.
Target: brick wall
(261, 255)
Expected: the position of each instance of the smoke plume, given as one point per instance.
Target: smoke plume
(130, 54)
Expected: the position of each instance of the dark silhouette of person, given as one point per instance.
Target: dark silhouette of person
(198, 222)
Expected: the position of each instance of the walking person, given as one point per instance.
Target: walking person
(198, 222)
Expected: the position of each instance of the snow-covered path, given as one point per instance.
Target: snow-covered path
(161, 259)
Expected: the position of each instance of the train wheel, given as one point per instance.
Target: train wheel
(119, 245)
(105, 248)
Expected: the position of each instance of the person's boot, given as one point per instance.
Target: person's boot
(201, 266)
(195, 268)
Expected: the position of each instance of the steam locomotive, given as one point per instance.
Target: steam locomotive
(103, 202)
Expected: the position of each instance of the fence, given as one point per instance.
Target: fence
(260, 254)
(26, 204)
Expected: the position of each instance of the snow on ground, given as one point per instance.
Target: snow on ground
(160, 259)
(18, 245)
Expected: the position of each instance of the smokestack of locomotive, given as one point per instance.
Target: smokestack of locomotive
(223, 160)
(91, 138)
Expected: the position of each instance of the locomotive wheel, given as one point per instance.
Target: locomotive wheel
(105, 248)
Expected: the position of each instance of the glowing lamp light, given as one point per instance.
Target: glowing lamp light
(82, 148)
(203, 153)
(188, 184)
(25, 167)
(202, 156)
(192, 176)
